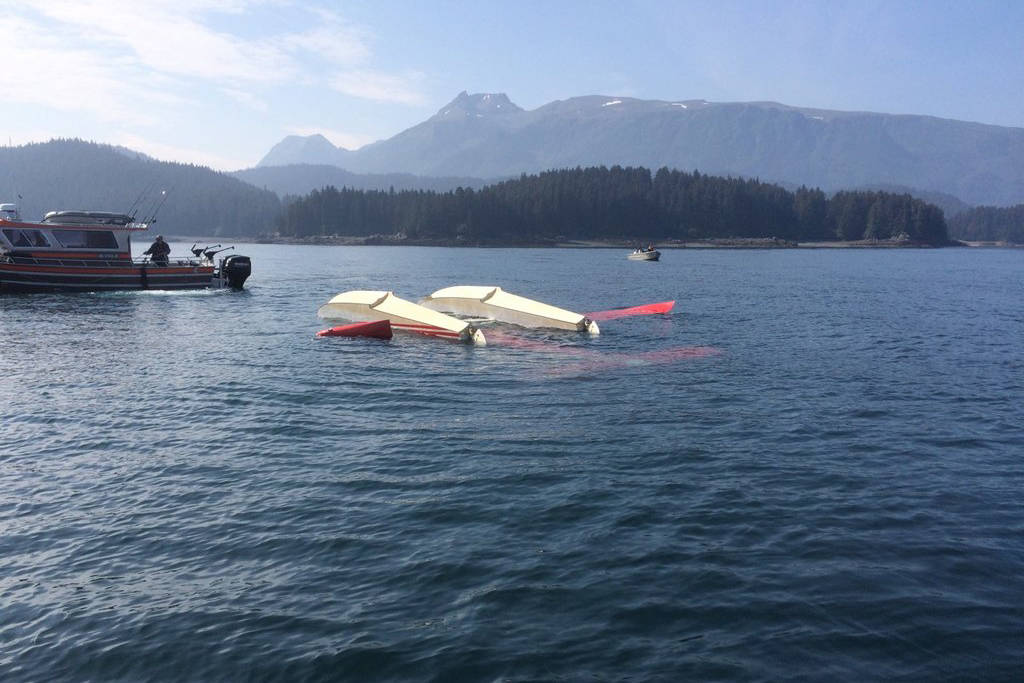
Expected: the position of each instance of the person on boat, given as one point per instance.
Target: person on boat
(159, 251)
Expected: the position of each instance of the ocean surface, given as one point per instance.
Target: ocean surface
(812, 469)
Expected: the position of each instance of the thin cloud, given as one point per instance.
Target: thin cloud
(381, 87)
(124, 50)
(247, 98)
(337, 44)
(169, 38)
(135, 65)
(41, 69)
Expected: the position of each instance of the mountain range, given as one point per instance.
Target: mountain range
(486, 136)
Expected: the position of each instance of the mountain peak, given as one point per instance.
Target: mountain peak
(302, 149)
(477, 105)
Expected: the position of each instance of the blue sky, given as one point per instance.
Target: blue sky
(218, 82)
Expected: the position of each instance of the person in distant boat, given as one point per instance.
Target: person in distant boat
(158, 251)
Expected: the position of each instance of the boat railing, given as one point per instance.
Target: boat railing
(171, 261)
(65, 261)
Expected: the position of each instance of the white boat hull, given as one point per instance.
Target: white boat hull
(363, 305)
(644, 256)
(496, 304)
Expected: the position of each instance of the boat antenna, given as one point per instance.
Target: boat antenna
(157, 205)
(133, 209)
(14, 186)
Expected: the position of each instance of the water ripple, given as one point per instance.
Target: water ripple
(797, 475)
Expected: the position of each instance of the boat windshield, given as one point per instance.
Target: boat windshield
(25, 238)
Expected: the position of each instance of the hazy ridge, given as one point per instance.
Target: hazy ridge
(72, 174)
(487, 136)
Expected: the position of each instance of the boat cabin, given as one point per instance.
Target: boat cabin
(82, 234)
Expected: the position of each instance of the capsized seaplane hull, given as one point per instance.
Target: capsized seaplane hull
(404, 315)
(497, 304)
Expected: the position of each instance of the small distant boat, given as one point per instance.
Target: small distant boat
(649, 254)
(378, 329)
(366, 305)
(497, 304)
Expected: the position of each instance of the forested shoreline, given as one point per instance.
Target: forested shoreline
(613, 205)
(616, 203)
(991, 224)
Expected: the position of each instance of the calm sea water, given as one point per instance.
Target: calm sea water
(813, 468)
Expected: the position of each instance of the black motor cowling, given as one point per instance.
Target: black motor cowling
(234, 270)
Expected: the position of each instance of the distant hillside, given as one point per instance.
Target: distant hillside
(72, 174)
(487, 136)
(300, 179)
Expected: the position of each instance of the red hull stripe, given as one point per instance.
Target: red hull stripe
(75, 255)
(15, 278)
(153, 271)
(25, 286)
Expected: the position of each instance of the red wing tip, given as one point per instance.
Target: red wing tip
(380, 329)
(646, 309)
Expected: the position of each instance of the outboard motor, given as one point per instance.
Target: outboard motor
(234, 270)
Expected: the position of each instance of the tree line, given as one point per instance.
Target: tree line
(618, 203)
(990, 224)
